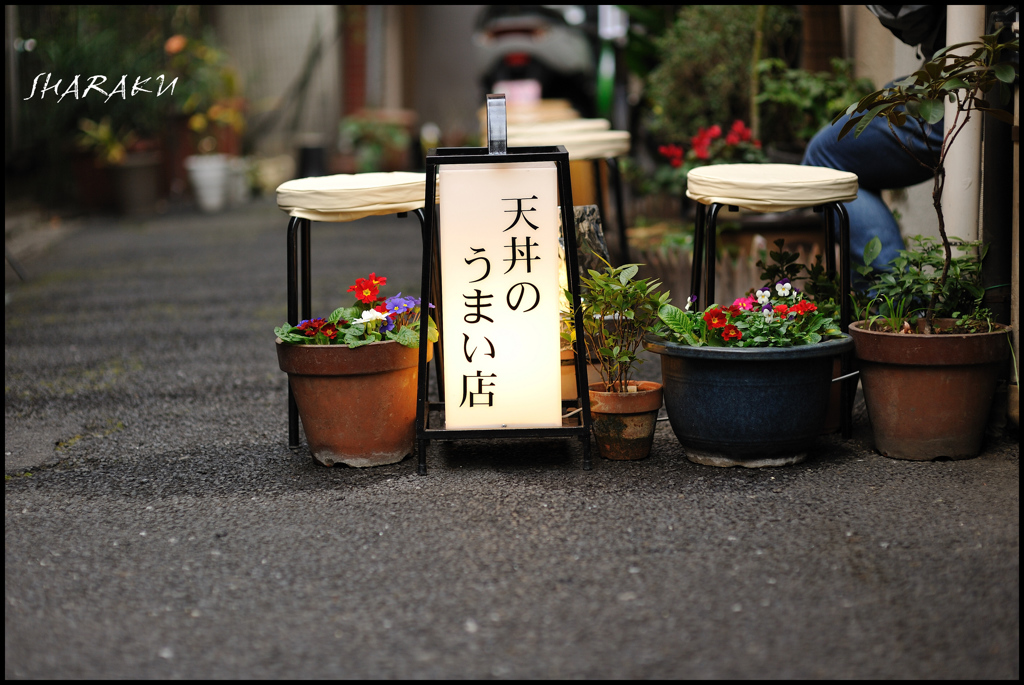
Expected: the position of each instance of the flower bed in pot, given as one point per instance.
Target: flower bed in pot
(354, 377)
(748, 384)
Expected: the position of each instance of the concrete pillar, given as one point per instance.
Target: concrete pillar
(960, 197)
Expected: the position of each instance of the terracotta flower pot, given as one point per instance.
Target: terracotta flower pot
(929, 396)
(747, 406)
(624, 422)
(357, 406)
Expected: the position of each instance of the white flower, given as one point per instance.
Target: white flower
(764, 296)
(783, 289)
(371, 315)
(768, 315)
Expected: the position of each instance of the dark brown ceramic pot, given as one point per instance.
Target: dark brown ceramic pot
(624, 422)
(357, 406)
(929, 396)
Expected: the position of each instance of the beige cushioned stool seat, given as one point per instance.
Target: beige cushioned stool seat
(770, 187)
(580, 142)
(347, 197)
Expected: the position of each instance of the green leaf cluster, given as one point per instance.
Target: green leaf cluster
(795, 103)
(618, 311)
(965, 75)
(903, 292)
(818, 286)
(704, 74)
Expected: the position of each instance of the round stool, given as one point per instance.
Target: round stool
(769, 188)
(774, 188)
(336, 199)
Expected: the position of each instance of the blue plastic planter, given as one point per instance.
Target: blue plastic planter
(761, 406)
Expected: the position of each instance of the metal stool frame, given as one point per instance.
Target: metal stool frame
(300, 295)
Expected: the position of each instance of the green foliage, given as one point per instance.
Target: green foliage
(964, 79)
(796, 103)
(959, 78)
(371, 319)
(372, 139)
(904, 292)
(618, 311)
(777, 316)
(814, 280)
(704, 74)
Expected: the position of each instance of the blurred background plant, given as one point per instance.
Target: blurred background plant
(86, 40)
(795, 103)
(707, 67)
(61, 141)
(110, 147)
(375, 140)
(208, 92)
(710, 145)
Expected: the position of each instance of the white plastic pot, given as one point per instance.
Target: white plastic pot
(208, 175)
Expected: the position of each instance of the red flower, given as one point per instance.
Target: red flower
(803, 307)
(780, 309)
(741, 130)
(310, 327)
(732, 138)
(730, 332)
(366, 289)
(701, 151)
(330, 330)
(715, 131)
(377, 280)
(716, 318)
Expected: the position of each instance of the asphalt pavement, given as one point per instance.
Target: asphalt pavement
(157, 525)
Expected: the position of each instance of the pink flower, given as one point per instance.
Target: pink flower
(744, 303)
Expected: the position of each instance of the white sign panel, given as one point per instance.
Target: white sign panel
(499, 284)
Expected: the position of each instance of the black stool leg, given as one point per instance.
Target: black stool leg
(615, 183)
(846, 398)
(293, 319)
(710, 236)
(698, 253)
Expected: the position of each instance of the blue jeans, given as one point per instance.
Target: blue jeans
(880, 164)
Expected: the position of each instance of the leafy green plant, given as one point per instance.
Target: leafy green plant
(914, 284)
(373, 318)
(960, 74)
(775, 316)
(618, 311)
(704, 75)
(795, 103)
(372, 139)
(817, 285)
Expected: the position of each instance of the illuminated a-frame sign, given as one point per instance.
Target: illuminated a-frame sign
(491, 266)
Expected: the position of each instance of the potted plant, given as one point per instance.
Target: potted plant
(353, 376)
(929, 356)
(748, 384)
(618, 311)
(133, 162)
(211, 116)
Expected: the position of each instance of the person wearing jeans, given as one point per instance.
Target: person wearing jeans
(880, 164)
(875, 156)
